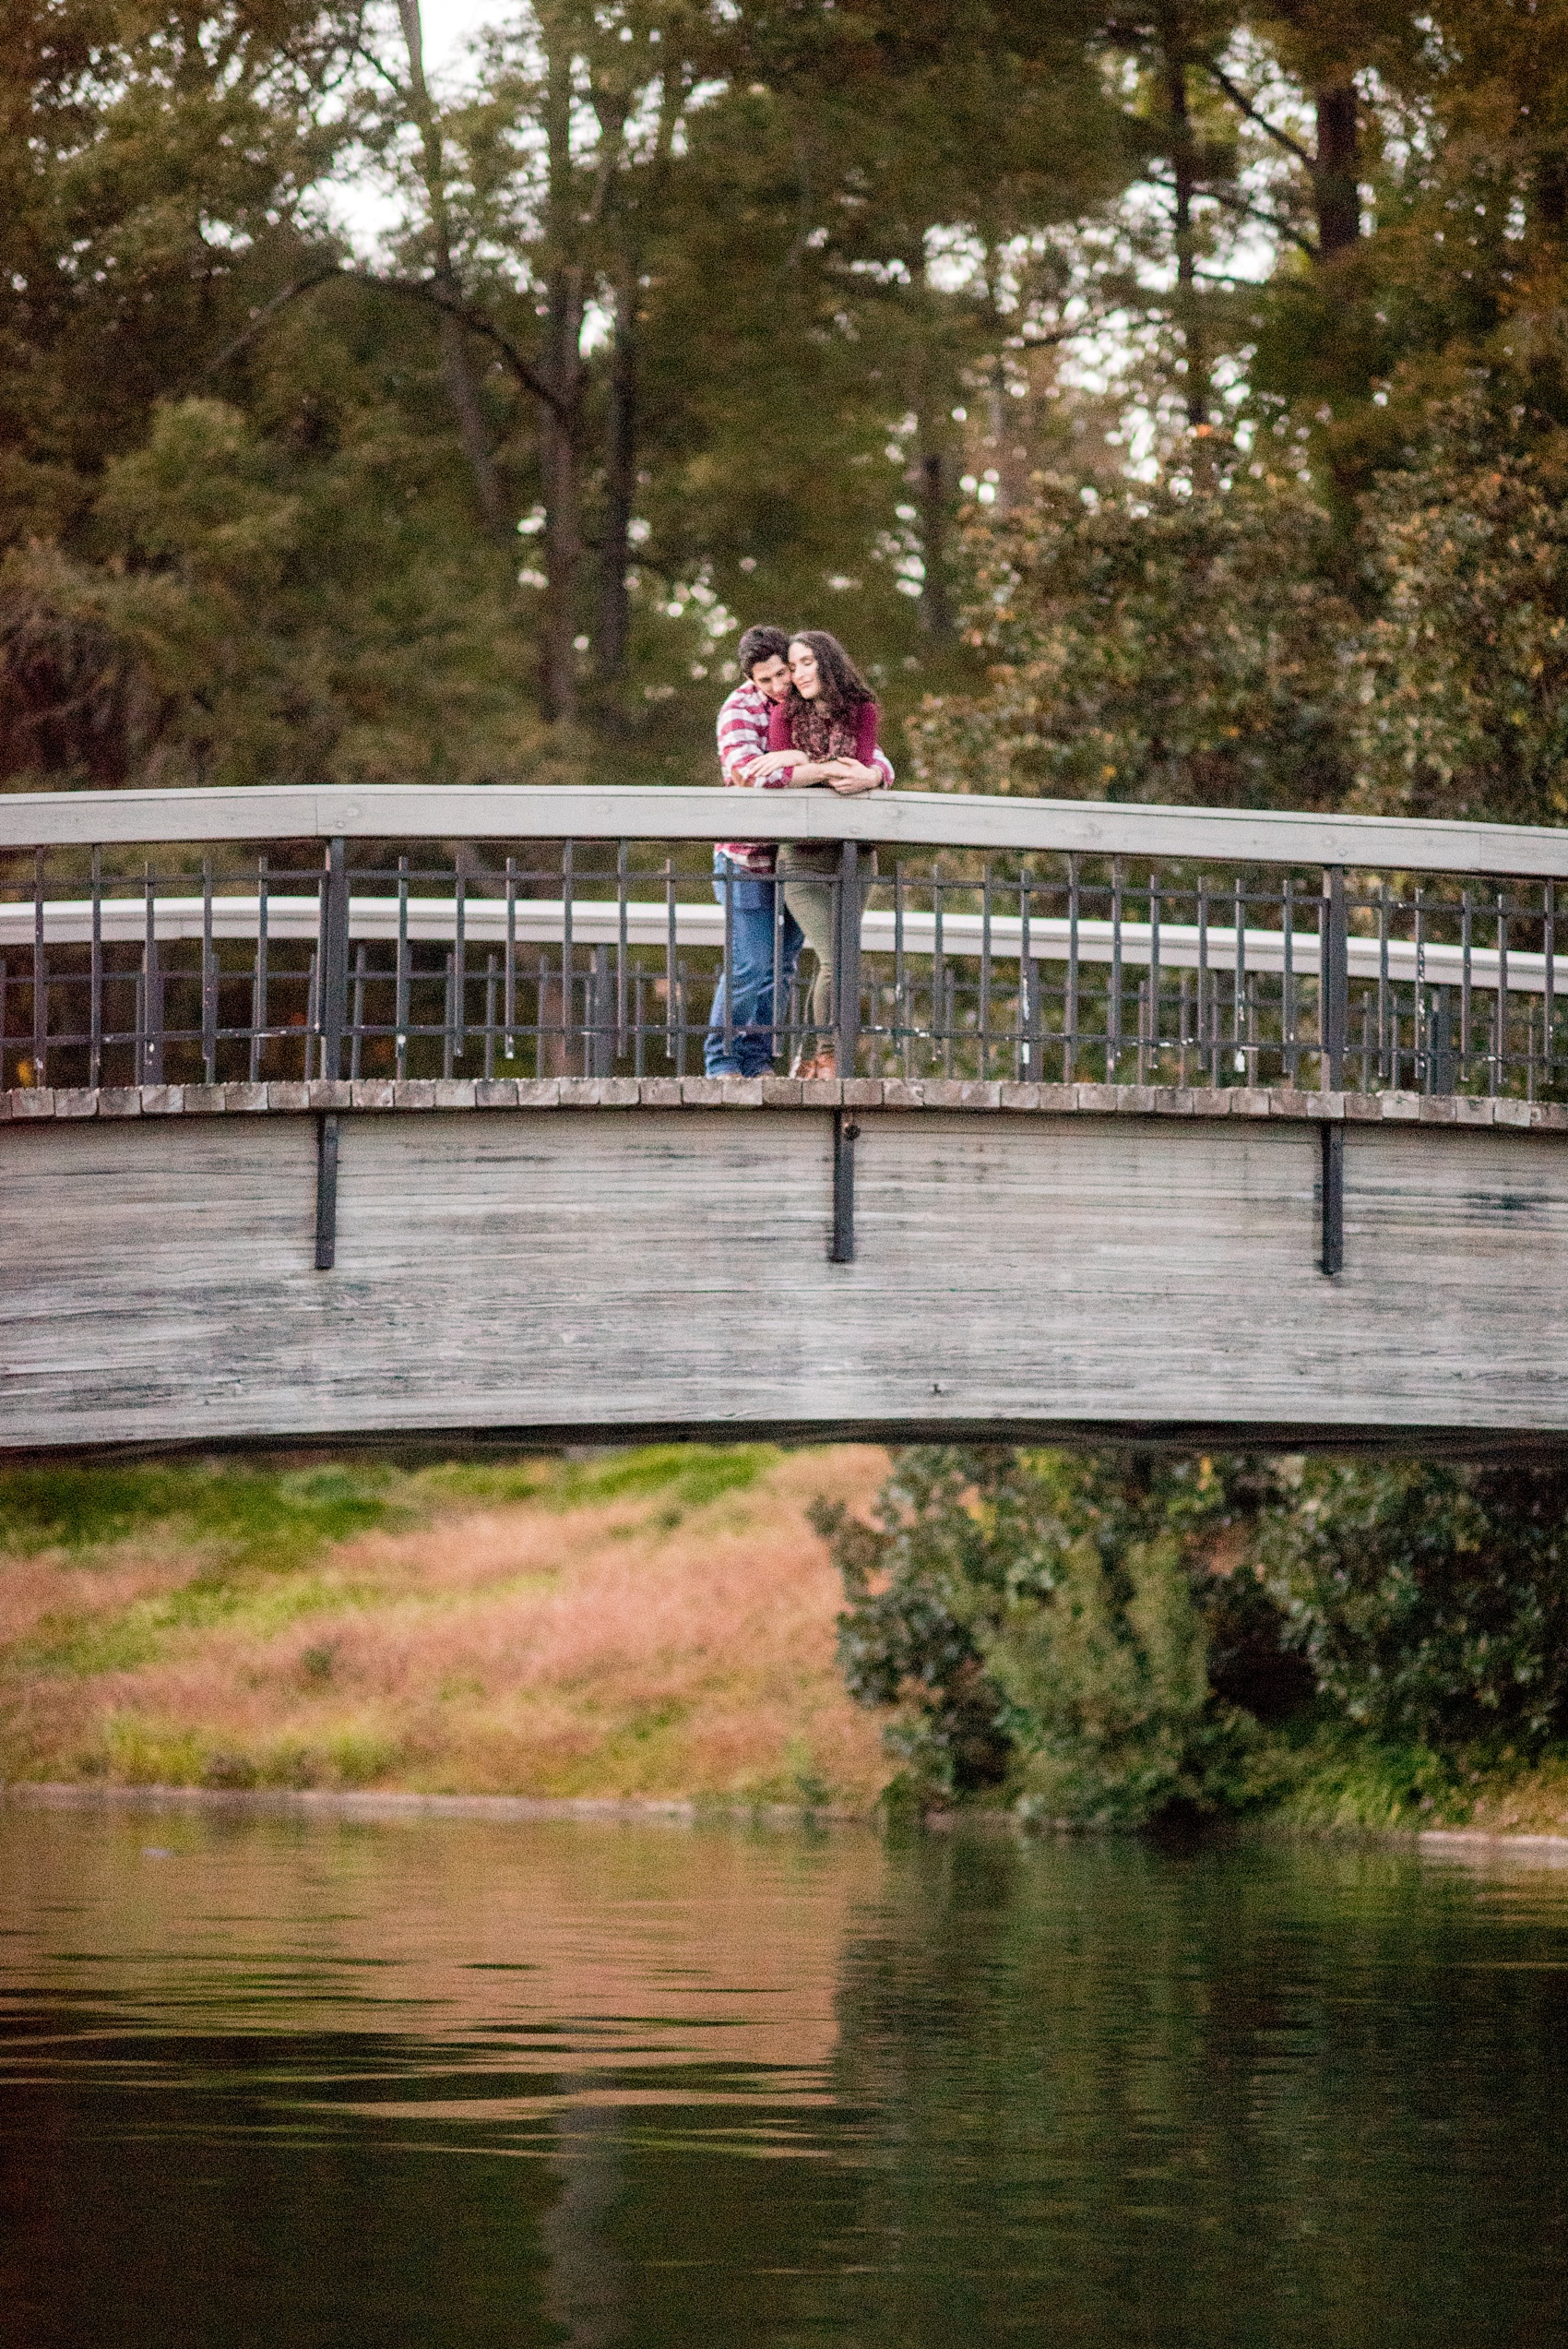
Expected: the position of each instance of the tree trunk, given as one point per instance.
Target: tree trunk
(936, 603)
(1185, 166)
(1336, 191)
(620, 488)
(563, 566)
(462, 387)
(559, 453)
(463, 391)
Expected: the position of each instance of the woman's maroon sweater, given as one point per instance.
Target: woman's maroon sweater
(779, 735)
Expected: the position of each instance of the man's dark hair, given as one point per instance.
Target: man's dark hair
(843, 687)
(762, 644)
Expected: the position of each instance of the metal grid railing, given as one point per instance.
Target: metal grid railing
(596, 957)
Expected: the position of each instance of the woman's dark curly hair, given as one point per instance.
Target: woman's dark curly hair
(843, 687)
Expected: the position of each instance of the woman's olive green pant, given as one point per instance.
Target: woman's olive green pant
(812, 896)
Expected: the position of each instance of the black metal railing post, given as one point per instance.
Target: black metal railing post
(40, 978)
(334, 996)
(332, 1011)
(1334, 1018)
(149, 1038)
(1334, 983)
(847, 993)
(1440, 1043)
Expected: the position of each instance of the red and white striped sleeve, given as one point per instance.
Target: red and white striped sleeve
(743, 731)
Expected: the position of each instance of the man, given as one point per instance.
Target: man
(742, 871)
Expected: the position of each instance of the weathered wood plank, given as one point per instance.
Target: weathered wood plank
(556, 1275)
(1227, 836)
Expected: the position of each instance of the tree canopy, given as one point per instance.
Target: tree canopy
(1163, 401)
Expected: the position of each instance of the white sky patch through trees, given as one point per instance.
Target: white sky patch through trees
(361, 209)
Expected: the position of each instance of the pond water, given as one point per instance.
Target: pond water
(442, 2080)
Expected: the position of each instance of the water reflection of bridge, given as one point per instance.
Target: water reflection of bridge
(323, 1127)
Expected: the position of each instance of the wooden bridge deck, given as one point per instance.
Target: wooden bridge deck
(1030, 1262)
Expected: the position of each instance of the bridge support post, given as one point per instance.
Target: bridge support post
(846, 1133)
(326, 1192)
(1331, 1196)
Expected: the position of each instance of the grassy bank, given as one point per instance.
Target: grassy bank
(654, 1622)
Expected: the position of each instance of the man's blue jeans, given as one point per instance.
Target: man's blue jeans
(749, 977)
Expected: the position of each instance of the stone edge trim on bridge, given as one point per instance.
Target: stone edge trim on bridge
(32, 1104)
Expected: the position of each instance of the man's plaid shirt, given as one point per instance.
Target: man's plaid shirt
(743, 736)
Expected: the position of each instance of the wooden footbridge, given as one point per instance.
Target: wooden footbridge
(379, 1116)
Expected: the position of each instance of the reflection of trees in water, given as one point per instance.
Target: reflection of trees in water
(1224, 2096)
(704, 2091)
(586, 2288)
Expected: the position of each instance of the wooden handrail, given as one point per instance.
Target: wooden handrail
(1232, 837)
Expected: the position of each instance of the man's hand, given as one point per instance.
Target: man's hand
(848, 777)
(772, 762)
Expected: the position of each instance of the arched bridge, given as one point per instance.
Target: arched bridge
(341, 1115)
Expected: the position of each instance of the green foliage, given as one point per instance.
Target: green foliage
(1106, 1687)
(1340, 1777)
(1431, 1602)
(1107, 1637)
(1168, 641)
(800, 277)
(243, 611)
(1041, 1620)
(1459, 683)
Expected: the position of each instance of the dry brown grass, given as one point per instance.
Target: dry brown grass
(617, 1647)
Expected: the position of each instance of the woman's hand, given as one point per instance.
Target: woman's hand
(772, 762)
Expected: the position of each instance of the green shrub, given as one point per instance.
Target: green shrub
(1105, 1685)
(1431, 1602)
(1043, 1621)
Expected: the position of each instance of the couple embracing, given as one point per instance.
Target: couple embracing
(801, 714)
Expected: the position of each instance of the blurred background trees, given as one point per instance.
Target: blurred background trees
(1164, 401)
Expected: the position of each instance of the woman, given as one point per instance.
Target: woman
(822, 732)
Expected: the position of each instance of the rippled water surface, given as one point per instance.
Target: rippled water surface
(447, 2080)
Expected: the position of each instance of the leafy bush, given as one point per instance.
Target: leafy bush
(1457, 682)
(1172, 639)
(1044, 1621)
(1431, 1602)
(1105, 1684)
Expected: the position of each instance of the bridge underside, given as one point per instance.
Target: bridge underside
(534, 1276)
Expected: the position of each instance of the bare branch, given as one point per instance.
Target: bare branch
(408, 289)
(1246, 211)
(421, 290)
(1239, 98)
(265, 316)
